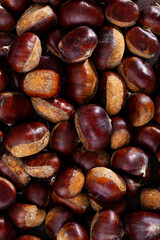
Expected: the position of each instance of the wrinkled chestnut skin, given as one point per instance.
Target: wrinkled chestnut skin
(28, 237)
(143, 225)
(138, 75)
(141, 42)
(10, 111)
(81, 82)
(110, 48)
(64, 138)
(140, 109)
(150, 18)
(96, 132)
(7, 230)
(86, 160)
(43, 165)
(133, 186)
(122, 13)
(105, 185)
(77, 45)
(3, 79)
(71, 231)
(16, 7)
(7, 21)
(7, 193)
(69, 182)
(106, 224)
(6, 40)
(149, 199)
(76, 13)
(25, 52)
(53, 109)
(27, 139)
(78, 204)
(55, 219)
(157, 109)
(37, 19)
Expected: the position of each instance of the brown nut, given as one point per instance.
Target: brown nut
(149, 199)
(7, 193)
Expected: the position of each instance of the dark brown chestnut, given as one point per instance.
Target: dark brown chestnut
(16, 7)
(142, 4)
(7, 193)
(95, 134)
(27, 139)
(77, 45)
(149, 199)
(15, 79)
(3, 79)
(7, 230)
(6, 40)
(7, 21)
(157, 109)
(28, 237)
(110, 48)
(133, 186)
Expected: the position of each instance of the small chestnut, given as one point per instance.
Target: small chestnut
(7, 193)
(133, 186)
(7, 231)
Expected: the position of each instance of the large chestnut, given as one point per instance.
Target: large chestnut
(7, 231)
(7, 193)
(7, 21)
(93, 126)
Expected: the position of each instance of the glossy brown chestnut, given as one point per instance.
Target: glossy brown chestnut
(133, 186)
(6, 40)
(37, 18)
(78, 204)
(16, 7)
(123, 13)
(157, 109)
(7, 193)
(7, 230)
(53, 109)
(142, 4)
(26, 216)
(81, 81)
(77, 45)
(1, 137)
(25, 52)
(41, 83)
(64, 138)
(72, 231)
(13, 169)
(3, 79)
(105, 185)
(138, 75)
(86, 160)
(69, 182)
(76, 13)
(141, 42)
(43, 165)
(143, 225)
(121, 132)
(27, 139)
(110, 48)
(96, 132)
(10, 111)
(132, 160)
(149, 199)
(140, 109)
(37, 193)
(112, 92)
(7, 21)
(55, 219)
(106, 224)
(28, 237)
(150, 18)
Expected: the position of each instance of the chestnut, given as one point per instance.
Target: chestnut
(75, 13)
(121, 133)
(133, 186)
(10, 111)
(95, 134)
(78, 204)
(28, 237)
(43, 165)
(110, 48)
(7, 193)
(112, 92)
(141, 42)
(149, 199)
(138, 75)
(41, 83)
(64, 138)
(142, 4)
(69, 182)
(6, 40)
(7, 21)
(105, 185)
(106, 224)
(37, 19)
(25, 52)
(123, 13)
(140, 109)
(81, 81)
(150, 18)
(3, 79)
(77, 45)
(27, 139)
(53, 109)
(7, 230)
(37, 193)
(157, 109)
(55, 219)
(16, 7)
(71, 231)
(26, 216)
(15, 79)
(86, 160)
(13, 169)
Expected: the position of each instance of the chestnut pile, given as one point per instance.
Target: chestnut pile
(79, 120)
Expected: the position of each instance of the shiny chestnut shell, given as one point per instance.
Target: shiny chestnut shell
(7, 193)
(7, 21)
(7, 230)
